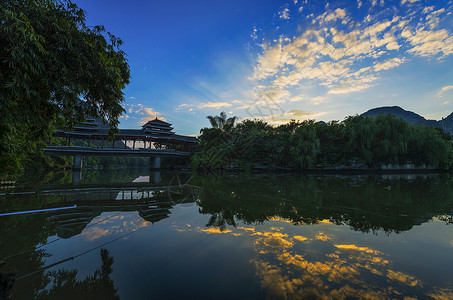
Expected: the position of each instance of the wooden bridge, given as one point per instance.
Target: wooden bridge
(155, 140)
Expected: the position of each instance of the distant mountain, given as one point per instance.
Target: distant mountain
(448, 123)
(411, 117)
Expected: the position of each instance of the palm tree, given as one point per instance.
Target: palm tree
(221, 122)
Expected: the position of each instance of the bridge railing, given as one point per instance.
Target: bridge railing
(120, 144)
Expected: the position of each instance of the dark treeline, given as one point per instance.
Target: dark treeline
(356, 142)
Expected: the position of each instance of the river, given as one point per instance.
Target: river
(136, 234)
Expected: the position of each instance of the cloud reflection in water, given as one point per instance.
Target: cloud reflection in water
(113, 225)
(316, 265)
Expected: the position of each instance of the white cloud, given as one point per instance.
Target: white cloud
(207, 105)
(269, 62)
(388, 64)
(348, 89)
(214, 105)
(408, 1)
(317, 99)
(428, 9)
(348, 59)
(433, 18)
(148, 114)
(444, 89)
(429, 42)
(183, 106)
(297, 113)
(285, 117)
(271, 94)
(297, 98)
(253, 35)
(284, 14)
(377, 28)
(333, 16)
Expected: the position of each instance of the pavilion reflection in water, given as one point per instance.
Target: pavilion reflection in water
(86, 202)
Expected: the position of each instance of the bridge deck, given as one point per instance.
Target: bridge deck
(88, 151)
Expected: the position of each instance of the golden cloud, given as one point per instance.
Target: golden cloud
(213, 230)
(354, 247)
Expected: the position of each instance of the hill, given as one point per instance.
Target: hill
(411, 117)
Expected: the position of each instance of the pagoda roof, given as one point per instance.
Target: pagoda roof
(156, 130)
(156, 121)
(152, 126)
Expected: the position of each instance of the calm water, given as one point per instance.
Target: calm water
(136, 235)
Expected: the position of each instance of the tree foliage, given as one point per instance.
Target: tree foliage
(54, 70)
(305, 145)
(358, 140)
(221, 121)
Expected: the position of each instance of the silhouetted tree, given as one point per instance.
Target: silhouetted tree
(222, 122)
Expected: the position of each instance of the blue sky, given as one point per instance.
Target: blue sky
(280, 60)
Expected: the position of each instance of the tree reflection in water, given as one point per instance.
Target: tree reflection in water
(65, 284)
(362, 202)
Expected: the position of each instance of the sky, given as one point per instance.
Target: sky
(280, 60)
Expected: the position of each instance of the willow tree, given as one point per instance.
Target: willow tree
(53, 68)
(305, 145)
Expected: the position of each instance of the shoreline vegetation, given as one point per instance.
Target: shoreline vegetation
(359, 144)
(383, 144)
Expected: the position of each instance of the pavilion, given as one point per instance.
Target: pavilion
(155, 134)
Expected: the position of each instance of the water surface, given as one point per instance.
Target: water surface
(140, 235)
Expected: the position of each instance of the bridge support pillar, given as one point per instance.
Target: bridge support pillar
(154, 163)
(76, 177)
(77, 164)
(155, 177)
